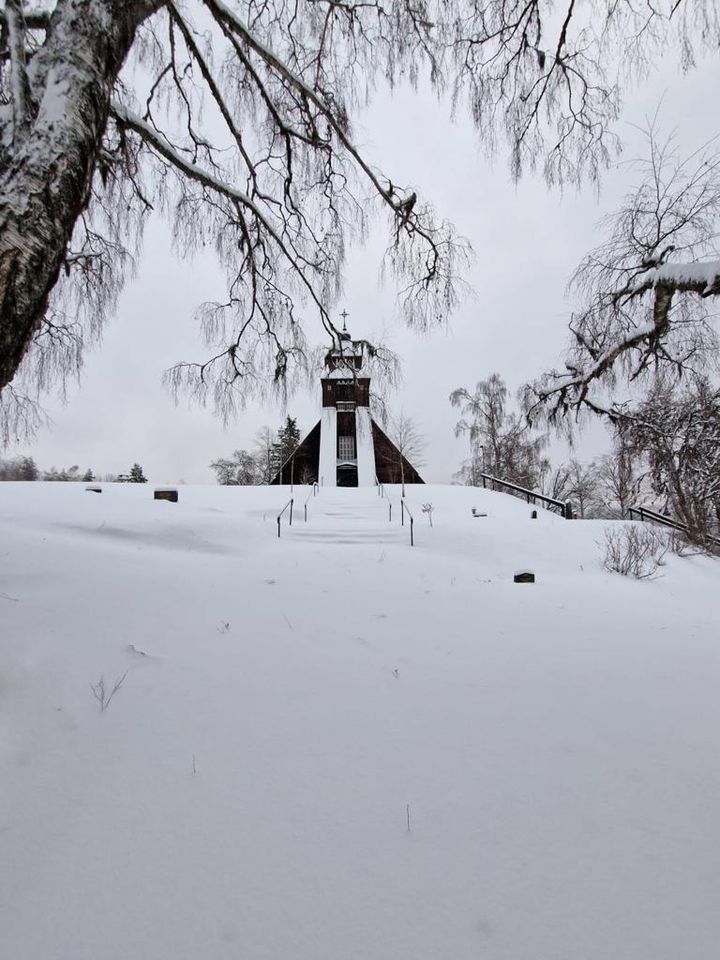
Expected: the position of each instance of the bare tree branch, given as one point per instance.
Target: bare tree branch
(285, 188)
(647, 289)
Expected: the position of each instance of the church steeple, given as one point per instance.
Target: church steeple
(346, 450)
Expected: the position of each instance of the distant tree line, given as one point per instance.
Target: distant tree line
(262, 463)
(25, 468)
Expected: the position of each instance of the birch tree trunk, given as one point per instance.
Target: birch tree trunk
(47, 159)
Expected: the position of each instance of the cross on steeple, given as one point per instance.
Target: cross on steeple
(344, 315)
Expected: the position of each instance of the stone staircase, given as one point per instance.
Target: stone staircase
(344, 515)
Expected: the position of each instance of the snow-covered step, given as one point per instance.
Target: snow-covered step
(354, 515)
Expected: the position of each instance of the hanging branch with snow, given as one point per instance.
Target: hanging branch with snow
(648, 291)
(233, 118)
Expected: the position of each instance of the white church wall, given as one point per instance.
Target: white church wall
(327, 473)
(365, 448)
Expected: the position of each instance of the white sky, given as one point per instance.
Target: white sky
(527, 241)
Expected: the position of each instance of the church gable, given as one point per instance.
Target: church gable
(302, 465)
(390, 465)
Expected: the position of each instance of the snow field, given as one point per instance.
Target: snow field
(245, 794)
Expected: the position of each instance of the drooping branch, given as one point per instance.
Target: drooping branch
(648, 289)
(278, 186)
(194, 172)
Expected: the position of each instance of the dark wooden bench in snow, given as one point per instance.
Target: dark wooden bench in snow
(524, 576)
(166, 494)
(93, 489)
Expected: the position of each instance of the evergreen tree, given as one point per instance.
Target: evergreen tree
(88, 476)
(21, 468)
(288, 440)
(136, 474)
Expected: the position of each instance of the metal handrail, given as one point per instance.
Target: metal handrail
(381, 493)
(288, 504)
(532, 496)
(403, 510)
(313, 493)
(645, 513)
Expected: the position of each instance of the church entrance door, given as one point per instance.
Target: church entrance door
(347, 475)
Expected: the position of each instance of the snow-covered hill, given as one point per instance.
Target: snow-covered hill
(291, 705)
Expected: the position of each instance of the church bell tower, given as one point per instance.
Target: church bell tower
(347, 457)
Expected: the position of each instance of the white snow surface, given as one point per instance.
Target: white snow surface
(328, 447)
(289, 702)
(365, 447)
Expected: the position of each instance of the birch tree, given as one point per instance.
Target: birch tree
(678, 433)
(409, 444)
(647, 294)
(502, 443)
(234, 119)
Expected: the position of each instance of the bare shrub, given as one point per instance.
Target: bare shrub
(635, 551)
(102, 694)
(681, 546)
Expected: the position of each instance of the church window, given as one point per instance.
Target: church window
(346, 448)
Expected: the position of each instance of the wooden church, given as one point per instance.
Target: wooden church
(346, 448)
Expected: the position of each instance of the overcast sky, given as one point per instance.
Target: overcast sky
(527, 241)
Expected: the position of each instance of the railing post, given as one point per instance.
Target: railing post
(291, 509)
(568, 512)
(389, 511)
(278, 523)
(305, 508)
(412, 540)
(402, 513)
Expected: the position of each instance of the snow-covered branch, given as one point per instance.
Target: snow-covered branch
(285, 189)
(647, 291)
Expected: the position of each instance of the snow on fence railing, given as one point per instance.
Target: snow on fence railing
(645, 513)
(404, 509)
(532, 496)
(288, 504)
